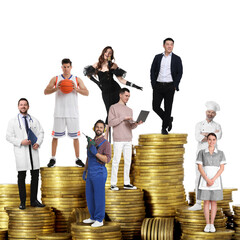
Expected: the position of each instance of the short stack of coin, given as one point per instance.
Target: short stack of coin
(9, 197)
(194, 221)
(127, 208)
(222, 234)
(3, 234)
(236, 218)
(157, 229)
(26, 224)
(120, 177)
(77, 216)
(63, 189)
(159, 172)
(109, 231)
(54, 236)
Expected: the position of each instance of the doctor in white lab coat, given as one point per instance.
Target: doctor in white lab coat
(201, 131)
(26, 153)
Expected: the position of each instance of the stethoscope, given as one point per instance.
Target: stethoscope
(19, 122)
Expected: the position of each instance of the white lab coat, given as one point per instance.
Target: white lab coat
(16, 132)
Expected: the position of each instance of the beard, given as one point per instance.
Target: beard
(98, 133)
(23, 111)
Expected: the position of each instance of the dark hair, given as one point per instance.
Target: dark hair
(101, 58)
(212, 134)
(99, 121)
(66, 60)
(123, 90)
(23, 99)
(167, 39)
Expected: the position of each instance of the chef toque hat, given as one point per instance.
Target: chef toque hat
(211, 105)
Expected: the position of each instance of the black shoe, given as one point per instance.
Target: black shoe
(170, 124)
(22, 206)
(79, 163)
(36, 203)
(51, 163)
(164, 131)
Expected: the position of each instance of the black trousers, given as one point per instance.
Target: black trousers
(22, 185)
(163, 91)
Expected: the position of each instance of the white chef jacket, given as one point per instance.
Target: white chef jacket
(206, 126)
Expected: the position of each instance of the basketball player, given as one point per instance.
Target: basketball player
(66, 110)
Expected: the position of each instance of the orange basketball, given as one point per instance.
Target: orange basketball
(66, 86)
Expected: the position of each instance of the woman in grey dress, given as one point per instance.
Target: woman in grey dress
(210, 165)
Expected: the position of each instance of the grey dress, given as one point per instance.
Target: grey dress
(211, 164)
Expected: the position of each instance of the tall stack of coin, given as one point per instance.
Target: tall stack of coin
(26, 224)
(127, 208)
(9, 197)
(54, 236)
(157, 229)
(63, 189)
(159, 172)
(236, 209)
(77, 216)
(194, 221)
(109, 231)
(120, 181)
(3, 234)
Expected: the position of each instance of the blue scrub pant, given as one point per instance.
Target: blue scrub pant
(95, 194)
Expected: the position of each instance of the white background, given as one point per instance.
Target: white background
(37, 35)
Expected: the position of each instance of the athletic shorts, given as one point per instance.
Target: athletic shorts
(60, 125)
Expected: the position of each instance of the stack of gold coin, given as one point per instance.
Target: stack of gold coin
(109, 231)
(159, 172)
(127, 208)
(9, 197)
(157, 229)
(63, 189)
(77, 216)
(225, 203)
(54, 236)
(120, 177)
(194, 221)
(236, 217)
(222, 234)
(3, 234)
(26, 224)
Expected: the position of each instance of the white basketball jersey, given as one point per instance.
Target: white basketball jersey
(66, 105)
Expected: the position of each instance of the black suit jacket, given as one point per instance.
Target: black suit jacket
(176, 69)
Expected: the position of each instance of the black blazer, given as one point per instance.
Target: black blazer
(176, 69)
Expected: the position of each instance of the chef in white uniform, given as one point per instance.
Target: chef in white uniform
(201, 131)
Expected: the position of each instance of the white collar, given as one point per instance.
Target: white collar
(170, 54)
(215, 150)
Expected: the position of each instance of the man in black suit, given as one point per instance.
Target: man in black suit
(166, 73)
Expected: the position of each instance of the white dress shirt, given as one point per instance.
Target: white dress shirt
(206, 127)
(165, 69)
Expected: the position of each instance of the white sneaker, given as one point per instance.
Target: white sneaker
(207, 228)
(130, 186)
(195, 207)
(212, 228)
(97, 224)
(89, 220)
(114, 188)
